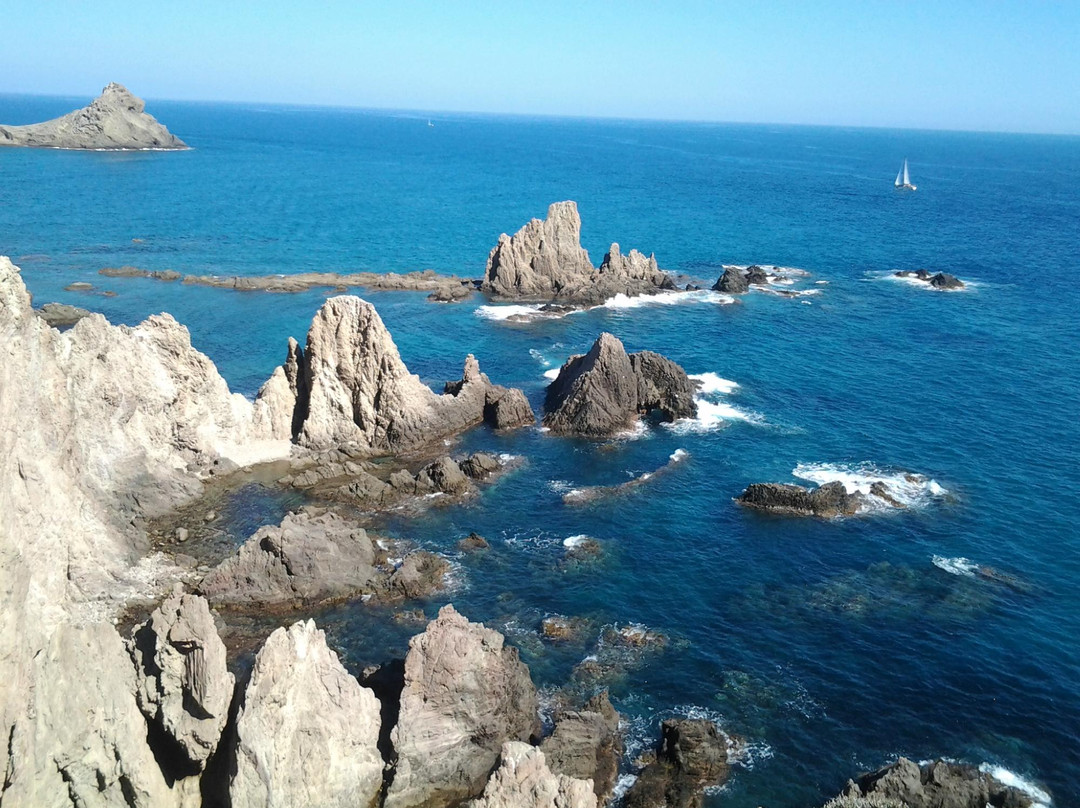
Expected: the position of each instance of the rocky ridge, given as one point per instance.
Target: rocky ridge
(116, 119)
(544, 261)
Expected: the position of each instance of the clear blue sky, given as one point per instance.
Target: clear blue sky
(951, 64)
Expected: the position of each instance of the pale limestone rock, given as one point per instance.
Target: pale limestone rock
(523, 780)
(99, 426)
(544, 261)
(307, 730)
(116, 119)
(465, 694)
(349, 385)
(81, 739)
(184, 685)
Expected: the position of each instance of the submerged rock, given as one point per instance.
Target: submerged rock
(831, 499)
(116, 119)
(524, 780)
(602, 392)
(940, 784)
(473, 542)
(692, 756)
(184, 686)
(465, 695)
(307, 731)
(544, 261)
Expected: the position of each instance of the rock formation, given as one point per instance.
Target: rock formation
(732, 282)
(465, 695)
(692, 755)
(940, 784)
(602, 392)
(310, 559)
(81, 739)
(941, 281)
(524, 780)
(544, 261)
(349, 385)
(59, 315)
(586, 744)
(184, 686)
(831, 499)
(100, 427)
(828, 500)
(307, 732)
(114, 120)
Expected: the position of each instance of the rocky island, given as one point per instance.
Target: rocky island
(115, 120)
(942, 281)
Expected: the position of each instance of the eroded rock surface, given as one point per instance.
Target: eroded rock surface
(586, 744)
(60, 315)
(184, 685)
(116, 119)
(315, 558)
(692, 755)
(940, 784)
(307, 732)
(524, 780)
(831, 499)
(349, 385)
(603, 392)
(544, 261)
(465, 695)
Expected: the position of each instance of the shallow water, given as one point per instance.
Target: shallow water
(830, 646)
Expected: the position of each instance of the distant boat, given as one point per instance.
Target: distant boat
(903, 181)
(429, 123)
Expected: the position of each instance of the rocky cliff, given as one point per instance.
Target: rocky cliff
(116, 119)
(545, 261)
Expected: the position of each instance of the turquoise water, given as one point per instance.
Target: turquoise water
(829, 646)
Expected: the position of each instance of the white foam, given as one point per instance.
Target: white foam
(1004, 776)
(956, 566)
(552, 373)
(713, 411)
(636, 430)
(712, 383)
(712, 415)
(622, 786)
(539, 357)
(678, 455)
(621, 301)
(506, 311)
(575, 541)
(910, 490)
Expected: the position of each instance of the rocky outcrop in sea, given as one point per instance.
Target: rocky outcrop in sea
(544, 261)
(116, 119)
(942, 281)
(939, 784)
(692, 755)
(348, 385)
(601, 393)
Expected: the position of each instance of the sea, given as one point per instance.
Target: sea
(946, 628)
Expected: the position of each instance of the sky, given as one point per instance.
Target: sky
(950, 64)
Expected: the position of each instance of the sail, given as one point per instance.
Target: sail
(898, 182)
(907, 179)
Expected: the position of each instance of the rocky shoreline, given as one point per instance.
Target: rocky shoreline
(106, 430)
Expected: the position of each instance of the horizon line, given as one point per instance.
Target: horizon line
(558, 116)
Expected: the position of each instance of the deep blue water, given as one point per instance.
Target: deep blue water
(830, 646)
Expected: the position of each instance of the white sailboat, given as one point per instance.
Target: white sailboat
(903, 181)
